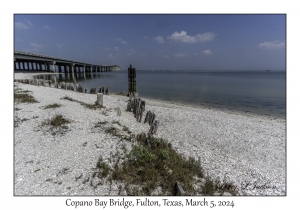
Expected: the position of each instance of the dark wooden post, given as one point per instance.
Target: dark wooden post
(131, 80)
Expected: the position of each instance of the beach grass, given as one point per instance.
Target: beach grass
(158, 166)
(22, 96)
(52, 106)
(89, 106)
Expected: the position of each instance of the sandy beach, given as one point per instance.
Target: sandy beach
(249, 151)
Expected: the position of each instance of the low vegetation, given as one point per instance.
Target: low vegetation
(158, 166)
(22, 96)
(18, 121)
(52, 106)
(89, 106)
(153, 164)
(56, 121)
(57, 124)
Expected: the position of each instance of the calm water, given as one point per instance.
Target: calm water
(262, 93)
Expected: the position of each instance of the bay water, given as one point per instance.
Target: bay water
(249, 92)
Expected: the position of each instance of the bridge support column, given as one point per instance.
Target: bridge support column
(83, 68)
(72, 68)
(53, 65)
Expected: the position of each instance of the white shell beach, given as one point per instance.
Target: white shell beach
(249, 151)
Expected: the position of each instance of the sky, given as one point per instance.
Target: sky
(158, 42)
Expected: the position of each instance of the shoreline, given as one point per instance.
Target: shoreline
(31, 74)
(233, 147)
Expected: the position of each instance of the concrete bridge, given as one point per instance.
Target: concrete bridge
(37, 62)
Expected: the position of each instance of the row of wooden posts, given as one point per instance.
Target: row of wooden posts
(62, 85)
(137, 106)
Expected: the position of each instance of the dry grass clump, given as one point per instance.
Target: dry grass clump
(52, 106)
(158, 165)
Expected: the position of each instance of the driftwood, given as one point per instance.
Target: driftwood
(106, 91)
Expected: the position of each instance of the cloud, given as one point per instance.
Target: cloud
(110, 56)
(207, 52)
(21, 25)
(183, 37)
(132, 51)
(272, 45)
(26, 24)
(107, 48)
(166, 56)
(180, 55)
(121, 41)
(34, 45)
(19, 40)
(117, 49)
(159, 39)
(196, 54)
(146, 37)
(46, 27)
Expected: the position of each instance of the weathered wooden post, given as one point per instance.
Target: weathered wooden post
(131, 80)
(100, 99)
(106, 91)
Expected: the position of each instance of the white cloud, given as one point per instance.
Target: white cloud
(129, 53)
(180, 55)
(207, 52)
(107, 48)
(166, 56)
(117, 49)
(46, 27)
(34, 45)
(272, 45)
(196, 54)
(183, 37)
(122, 41)
(21, 25)
(132, 51)
(146, 37)
(28, 22)
(110, 56)
(159, 39)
